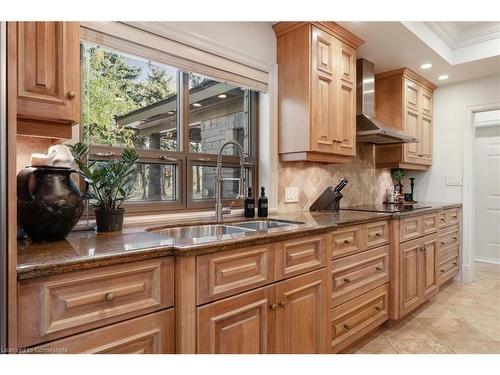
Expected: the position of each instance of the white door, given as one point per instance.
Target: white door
(487, 193)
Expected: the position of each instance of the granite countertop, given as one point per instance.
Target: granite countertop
(86, 250)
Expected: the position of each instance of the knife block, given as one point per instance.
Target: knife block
(329, 200)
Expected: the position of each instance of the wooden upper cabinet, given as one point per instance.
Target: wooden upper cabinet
(404, 92)
(48, 77)
(317, 91)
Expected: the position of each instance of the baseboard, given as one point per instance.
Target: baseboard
(487, 260)
(467, 275)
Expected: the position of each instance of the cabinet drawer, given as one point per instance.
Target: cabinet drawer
(444, 255)
(429, 223)
(376, 234)
(449, 217)
(359, 273)
(448, 270)
(229, 272)
(352, 320)
(60, 305)
(410, 228)
(295, 257)
(347, 241)
(448, 237)
(150, 334)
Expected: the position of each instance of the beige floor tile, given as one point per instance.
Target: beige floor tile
(474, 347)
(404, 346)
(453, 329)
(434, 310)
(379, 345)
(410, 329)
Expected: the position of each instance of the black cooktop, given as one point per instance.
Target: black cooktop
(389, 208)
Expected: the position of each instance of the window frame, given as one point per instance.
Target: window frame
(182, 158)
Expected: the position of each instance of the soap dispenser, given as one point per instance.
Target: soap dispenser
(249, 204)
(262, 203)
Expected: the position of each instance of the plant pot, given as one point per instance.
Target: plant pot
(109, 220)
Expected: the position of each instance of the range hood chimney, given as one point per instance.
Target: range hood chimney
(369, 129)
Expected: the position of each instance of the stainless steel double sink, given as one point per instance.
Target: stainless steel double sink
(215, 230)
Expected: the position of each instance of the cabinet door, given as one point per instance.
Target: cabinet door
(409, 276)
(346, 122)
(412, 95)
(426, 102)
(412, 128)
(324, 91)
(430, 272)
(238, 325)
(301, 316)
(48, 71)
(425, 153)
(149, 334)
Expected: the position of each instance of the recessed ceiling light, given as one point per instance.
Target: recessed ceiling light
(443, 77)
(426, 66)
(196, 105)
(222, 96)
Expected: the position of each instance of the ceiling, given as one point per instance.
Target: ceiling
(461, 50)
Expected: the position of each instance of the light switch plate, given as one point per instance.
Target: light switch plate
(291, 194)
(453, 181)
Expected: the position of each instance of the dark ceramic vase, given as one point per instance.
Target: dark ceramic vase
(48, 202)
(109, 220)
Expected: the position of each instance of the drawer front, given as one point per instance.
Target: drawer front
(448, 237)
(359, 273)
(299, 256)
(65, 304)
(410, 228)
(429, 223)
(449, 217)
(448, 270)
(150, 334)
(444, 255)
(376, 234)
(347, 241)
(229, 272)
(355, 318)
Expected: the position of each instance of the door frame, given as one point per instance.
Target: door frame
(469, 191)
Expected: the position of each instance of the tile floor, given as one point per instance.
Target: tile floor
(462, 318)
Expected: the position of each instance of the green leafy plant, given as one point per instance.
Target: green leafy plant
(398, 174)
(110, 182)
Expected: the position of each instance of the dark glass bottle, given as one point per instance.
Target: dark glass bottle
(262, 203)
(249, 204)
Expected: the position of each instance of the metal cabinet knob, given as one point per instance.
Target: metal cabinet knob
(71, 94)
(378, 308)
(109, 296)
(379, 269)
(282, 303)
(273, 306)
(347, 241)
(378, 235)
(347, 280)
(346, 326)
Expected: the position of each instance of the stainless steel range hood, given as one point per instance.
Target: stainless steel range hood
(369, 129)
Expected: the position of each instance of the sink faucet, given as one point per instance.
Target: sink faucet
(219, 210)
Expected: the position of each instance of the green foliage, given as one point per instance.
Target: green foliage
(111, 88)
(110, 182)
(398, 174)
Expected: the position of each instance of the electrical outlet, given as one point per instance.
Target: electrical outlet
(291, 194)
(453, 181)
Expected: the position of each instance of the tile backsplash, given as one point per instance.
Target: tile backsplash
(367, 185)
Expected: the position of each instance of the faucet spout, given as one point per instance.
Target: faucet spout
(218, 182)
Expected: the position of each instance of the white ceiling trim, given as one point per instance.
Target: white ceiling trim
(455, 35)
(440, 42)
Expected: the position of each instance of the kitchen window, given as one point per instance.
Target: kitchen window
(175, 119)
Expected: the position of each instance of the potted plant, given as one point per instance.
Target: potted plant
(110, 184)
(398, 175)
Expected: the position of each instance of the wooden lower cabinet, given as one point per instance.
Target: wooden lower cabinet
(301, 316)
(287, 317)
(149, 334)
(237, 325)
(356, 318)
(418, 272)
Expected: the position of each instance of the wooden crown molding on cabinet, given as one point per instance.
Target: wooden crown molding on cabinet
(330, 27)
(406, 72)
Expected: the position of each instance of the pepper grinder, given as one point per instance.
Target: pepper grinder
(412, 183)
